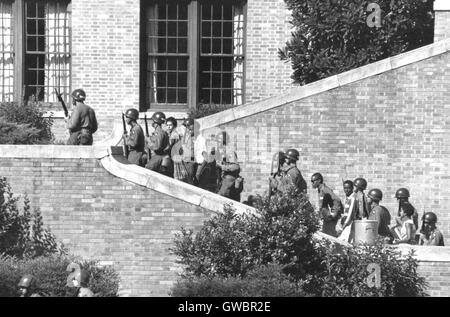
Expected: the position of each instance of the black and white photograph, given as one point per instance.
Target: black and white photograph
(236, 151)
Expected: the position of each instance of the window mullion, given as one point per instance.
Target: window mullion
(19, 51)
(193, 49)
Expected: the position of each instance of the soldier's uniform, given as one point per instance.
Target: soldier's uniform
(290, 177)
(382, 215)
(330, 209)
(158, 144)
(136, 144)
(232, 184)
(361, 206)
(435, 239)
(82, 124)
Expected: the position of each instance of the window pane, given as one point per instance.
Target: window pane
(182, 46)
(182, 28)
(172, 28)
(206, 29)
(6, 52)
(206, 46)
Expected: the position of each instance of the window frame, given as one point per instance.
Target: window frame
(194, 54)
(20, 53)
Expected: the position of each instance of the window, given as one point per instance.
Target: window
(194, 53)
(35, 58)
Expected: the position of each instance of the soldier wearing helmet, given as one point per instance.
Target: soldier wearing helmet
(135, 140)
(429, 233)
(361, 206)
(290, 176)
(379, 213)
(232, 183)
(82, 123)
(402, 195)
(330, 205)
(157, 143)
(28, 286)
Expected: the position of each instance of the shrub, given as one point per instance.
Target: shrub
(346, 274)
(14, 133)
(51, 275)
(263, 281)
(22, 234)
(204, 110)
(27, 115)
(230, 245)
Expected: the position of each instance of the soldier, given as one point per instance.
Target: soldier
(345, 232)
(402, 196)
(28, 286)
(82, 123)
(157, 143)
(361, 206)
(379, 213)
(429, 233)
(290, 175)
(232, 184)
(330, 205)
(81, 281)
(135, 140)
(207, 172)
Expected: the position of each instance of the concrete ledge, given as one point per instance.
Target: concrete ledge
(327, 84)
(441, 5)
(169, 186)
(427, 254)
(53, 151)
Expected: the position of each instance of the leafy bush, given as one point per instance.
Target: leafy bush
(14, 133)
(331, 37)
(28, 116)
(22, 234)
(51, 275)
(230, 245)
(204, 110)
(346, 273)
(263, 281)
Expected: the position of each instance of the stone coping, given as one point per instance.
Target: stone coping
(53, 151)
(326, 84)
(169, 186)
(421, 253)
(441, 5)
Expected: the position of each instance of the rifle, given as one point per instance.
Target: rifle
(125, 146)
(58, 95)
(147, 134)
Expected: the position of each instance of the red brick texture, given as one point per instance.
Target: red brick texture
(392, 129)
(437, 275)
(99, 216)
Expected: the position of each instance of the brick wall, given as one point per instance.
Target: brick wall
(392, 129)
(267, 31)
(441, 20)
(437, 275)
(99, 216)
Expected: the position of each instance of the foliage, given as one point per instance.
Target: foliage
(28, 116)
(231, 245)
(204, 110)
(22, 234)
(14, 133)
(333, 36)
(262, 281)
(346, 273)
(51, 275)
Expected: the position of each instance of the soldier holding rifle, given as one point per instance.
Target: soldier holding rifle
(135, 141)
(82, 123)
(290, 175)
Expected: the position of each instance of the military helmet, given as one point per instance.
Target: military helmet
(27, 281)
(430, 216)
(132, 114)
(360, 183)
(82, 276)
(402, 193)
(159, 117)
(293, 154)
(375, 194)
(187, 122)
(79, 95)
